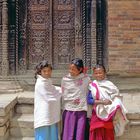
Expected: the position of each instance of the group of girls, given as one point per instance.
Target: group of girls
(77, 97)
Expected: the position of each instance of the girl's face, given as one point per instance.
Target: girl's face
(99, 74)
(46, 72)
(73, 70)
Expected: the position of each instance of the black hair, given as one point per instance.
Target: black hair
(100, 66)
(40, 66)
(78, 63)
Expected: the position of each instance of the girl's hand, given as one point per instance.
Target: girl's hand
(107, 102)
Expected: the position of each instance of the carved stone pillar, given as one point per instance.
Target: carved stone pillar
(5, 63)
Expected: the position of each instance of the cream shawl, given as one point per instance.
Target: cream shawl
(74, 91)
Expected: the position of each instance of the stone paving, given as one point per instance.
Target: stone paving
(130, 89)
(22, 103)
(127, 84)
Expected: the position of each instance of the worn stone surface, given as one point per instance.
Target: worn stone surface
(26, 97)
(4, 129)
(3, 119)
(132, 132)
(21, 124)
(22, 138)
(22, 132)
(6, 136)
(22, 120)
(24, 108)
(7, 102)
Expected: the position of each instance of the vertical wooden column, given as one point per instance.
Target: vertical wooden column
(51, 30)
(17, 28)
(88, 33)
(78, 29)
(5, 62)
(99, 31)
(84, 29)
(93, 33)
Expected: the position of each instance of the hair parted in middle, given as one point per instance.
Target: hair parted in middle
(78, 63)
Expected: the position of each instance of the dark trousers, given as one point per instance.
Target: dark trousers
(87, 129)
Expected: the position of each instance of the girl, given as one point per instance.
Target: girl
(74, 90)
(46, 104)
(108, 111)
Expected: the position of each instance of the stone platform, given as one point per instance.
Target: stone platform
(16, 112)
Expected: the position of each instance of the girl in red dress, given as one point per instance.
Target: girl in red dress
(108, 115)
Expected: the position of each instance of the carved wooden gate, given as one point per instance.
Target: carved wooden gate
(48, 26)
(56, 30)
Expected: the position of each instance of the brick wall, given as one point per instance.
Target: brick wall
(124, 36)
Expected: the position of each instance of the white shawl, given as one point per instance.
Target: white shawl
(105, 89)
(46, 103)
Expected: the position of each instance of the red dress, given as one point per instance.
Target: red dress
(101, 130)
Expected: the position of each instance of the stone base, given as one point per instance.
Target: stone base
(5, 137)
(27, 81)
(9, 85)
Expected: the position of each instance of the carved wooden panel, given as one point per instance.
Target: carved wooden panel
(21, 31)
(0, 34)
(51, 33)
(47, 31)
(38, 28)
(63, 33)
(64, 4)
(12, 35)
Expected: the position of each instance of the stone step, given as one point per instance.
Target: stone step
(22, 138)
(7, 103)
(126, 84)
(25, 103)
(9, 86)
(22, 125)
(26, 97)
(132, 104)
(132, 131)
(24, 109)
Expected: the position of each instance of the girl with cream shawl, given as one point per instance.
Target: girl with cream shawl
(108, 114)
(46, 104)
(74, 91)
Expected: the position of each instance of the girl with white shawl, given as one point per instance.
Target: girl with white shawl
(109, 114)
(46, 104)
(74, 91)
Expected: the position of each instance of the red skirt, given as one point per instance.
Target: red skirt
(101, 130)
